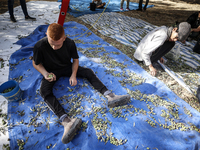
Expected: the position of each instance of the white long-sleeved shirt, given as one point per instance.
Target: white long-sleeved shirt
(150, 43)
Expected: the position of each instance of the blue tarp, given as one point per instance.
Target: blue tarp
(130, 31)
(155, 118)
(80, 8)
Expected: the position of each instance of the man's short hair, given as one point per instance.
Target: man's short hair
(55, 31)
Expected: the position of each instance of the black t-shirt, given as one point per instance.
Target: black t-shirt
(193, 20)
(54, 59)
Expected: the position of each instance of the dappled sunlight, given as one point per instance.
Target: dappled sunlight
(155, 118)
(10, 33)
(154, 111)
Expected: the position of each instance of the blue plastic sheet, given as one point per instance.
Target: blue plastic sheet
(155, 118)
(130, 31)
(79, 8)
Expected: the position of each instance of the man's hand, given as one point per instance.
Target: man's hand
(72, 81)
(153, 70)
(161, 60)
(50, 77)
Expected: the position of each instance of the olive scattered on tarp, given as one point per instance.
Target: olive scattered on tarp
(8, 90)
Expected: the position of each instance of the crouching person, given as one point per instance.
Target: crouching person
(159, 42)
(52, 58)
(99, 3)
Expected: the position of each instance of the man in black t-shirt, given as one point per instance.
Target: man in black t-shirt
(194, 21)
(52, 58)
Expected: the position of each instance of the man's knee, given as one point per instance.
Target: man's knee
(89, 73)
(44, 92)
(88, 70)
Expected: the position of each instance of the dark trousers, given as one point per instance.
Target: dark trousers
(198, 93)
(161, 51)
(194, 35)
(46, 89)
(140, 4)
(196, 48)
(23, 5)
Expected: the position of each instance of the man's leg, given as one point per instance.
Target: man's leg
(161, 51)
(145, 6)
(92, 78)
(10, 9)
(46, 93)
(196, 48)
(71, 125)
(24, 8)
(127, 3)
(121, 4)
(140, 5)
(198, 93)
(113, 100)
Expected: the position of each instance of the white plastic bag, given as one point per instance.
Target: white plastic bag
(174, 53)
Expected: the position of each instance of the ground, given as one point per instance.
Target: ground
(164, 12)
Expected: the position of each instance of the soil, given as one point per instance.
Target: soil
(164, 12)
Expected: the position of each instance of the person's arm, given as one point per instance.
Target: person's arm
(196, 30)
(151, 47)
(40, 68)
(151, 43)
(152, 70)
(155, 41)
(72, 79)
